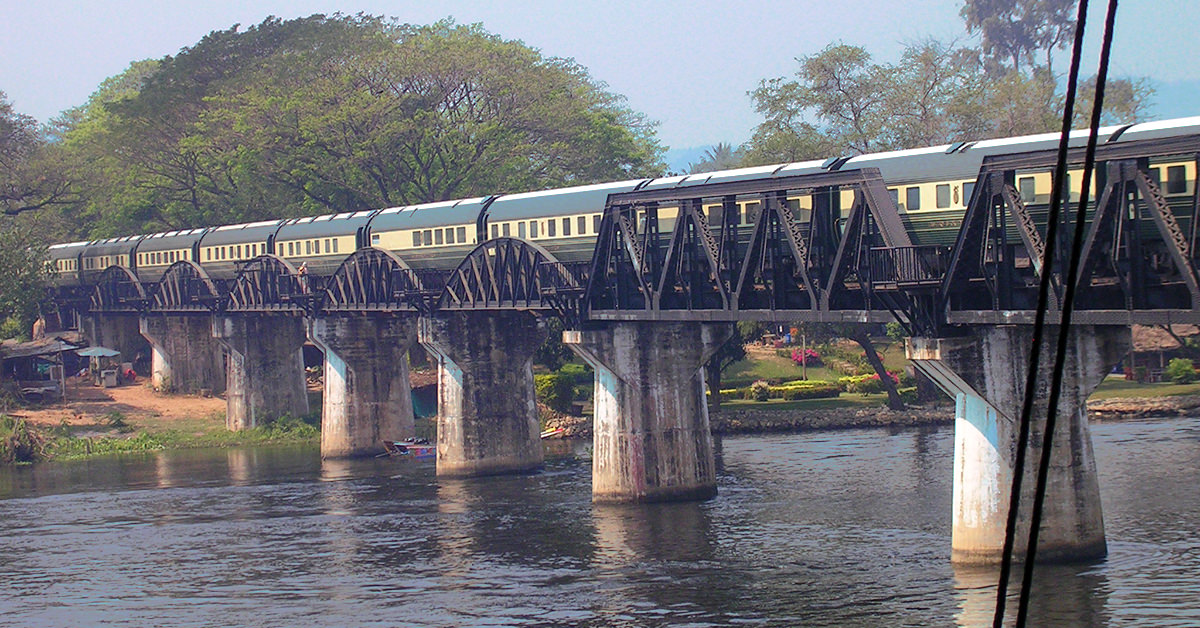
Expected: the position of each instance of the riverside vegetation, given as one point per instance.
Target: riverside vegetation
(22, 442)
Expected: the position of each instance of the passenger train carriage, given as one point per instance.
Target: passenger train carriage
(930, 188)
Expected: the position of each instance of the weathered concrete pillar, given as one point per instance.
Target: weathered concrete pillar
(368, 397)
(487, 410)
(266, 368)
(651, 431)
(985, 373)
(115, 331)
(184, 355)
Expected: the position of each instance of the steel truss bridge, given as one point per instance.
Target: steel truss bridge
(827, 264)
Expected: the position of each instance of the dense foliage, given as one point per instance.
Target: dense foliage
(840, 101)
(330, 114)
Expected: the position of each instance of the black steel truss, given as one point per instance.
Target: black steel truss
(748, 250)
(508, 273)
(117, 290)
(184, 288)
(1138, 261)
(373, 280)
(269, 284)
(773, 263)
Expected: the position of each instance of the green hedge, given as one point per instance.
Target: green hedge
(802, 389)
(556, 390)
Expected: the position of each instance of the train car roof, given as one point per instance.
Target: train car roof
(573, 200)
(439, 214)
(170, 240)
(346, 223)
(243, 233)
(112, 246)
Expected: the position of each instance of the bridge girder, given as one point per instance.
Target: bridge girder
(184, 288)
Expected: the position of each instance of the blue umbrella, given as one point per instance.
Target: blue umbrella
(98, 352)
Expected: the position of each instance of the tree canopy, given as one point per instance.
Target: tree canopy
(840, 101)
(342, 113)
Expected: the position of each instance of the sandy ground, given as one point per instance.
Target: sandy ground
(86, 404)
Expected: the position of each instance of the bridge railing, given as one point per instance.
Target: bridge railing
(908, 266)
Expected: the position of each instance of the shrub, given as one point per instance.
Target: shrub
(1180, 371)
(555, 390)
(864, 384)
(807, 356)
(822, 390)
(580, 374)
(760, 391)
(19, 442)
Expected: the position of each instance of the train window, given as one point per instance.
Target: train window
(521, 230)
(427, 236)
(449, 235)
(1176, 181)
(237, 252)
(912, 198)
(308, 247)
(416, 238)
(550, 228)
(327, 246)
(505, 231)
(208, 255)
(335, 241)
(943, 196)
(895, 192)
(1028, 189)
(495, 231)
(533, 229)
(437, 236)
(462, 234)
(581, 225)
(968, 189)
(566, 226)
(374, 239)
(595, 223)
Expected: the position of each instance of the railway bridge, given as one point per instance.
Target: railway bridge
(659, 296)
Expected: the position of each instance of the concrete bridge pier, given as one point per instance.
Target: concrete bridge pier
(487, 410)
(367, 397)
(184, 355)
(265, 370)
(651, 430)
(115, 331)
(985, 373)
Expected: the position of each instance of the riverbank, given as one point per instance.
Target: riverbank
(751, 419)
(98, 421)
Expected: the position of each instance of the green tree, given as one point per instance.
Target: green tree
(341, 113)
(722, 156)
(28, 178)
(23, 276)
(1020, 35)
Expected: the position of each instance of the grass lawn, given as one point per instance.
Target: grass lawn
(1116, 386)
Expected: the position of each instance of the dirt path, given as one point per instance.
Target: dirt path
(87, 404)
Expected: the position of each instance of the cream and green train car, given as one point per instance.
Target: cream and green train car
(930, 189)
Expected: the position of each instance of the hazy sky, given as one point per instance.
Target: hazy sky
(687, 64)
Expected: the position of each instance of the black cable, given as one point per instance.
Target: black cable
(1067, 310)
(1039, 326)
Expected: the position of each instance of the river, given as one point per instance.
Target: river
(847, 528)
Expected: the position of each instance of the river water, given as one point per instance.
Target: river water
(848, 528)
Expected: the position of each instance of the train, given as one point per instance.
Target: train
(930, 188)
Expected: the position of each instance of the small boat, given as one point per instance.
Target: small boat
(416, 448)
(558, 431)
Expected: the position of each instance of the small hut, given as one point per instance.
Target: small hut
(1154, 346)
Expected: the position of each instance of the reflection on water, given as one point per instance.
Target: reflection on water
(829, 529)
